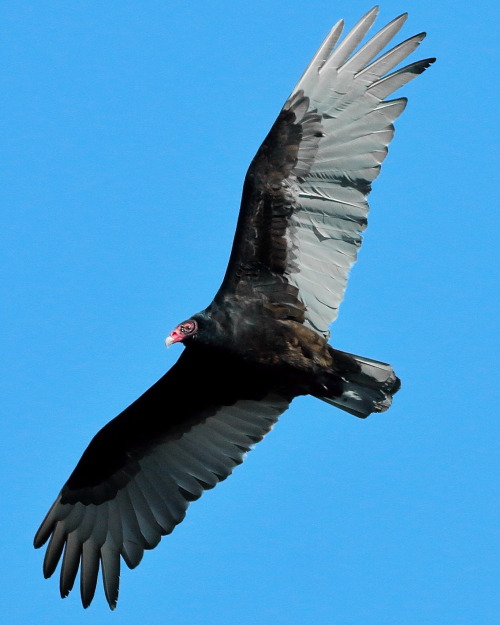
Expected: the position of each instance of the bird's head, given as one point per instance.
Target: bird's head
(183, 331)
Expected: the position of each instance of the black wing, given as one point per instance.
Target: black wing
(304, 198)
(137, 477)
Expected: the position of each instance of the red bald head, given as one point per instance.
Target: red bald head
(181, 332)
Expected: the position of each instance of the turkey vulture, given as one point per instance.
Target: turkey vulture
(263, 339)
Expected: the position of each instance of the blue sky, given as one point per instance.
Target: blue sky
(128, 128)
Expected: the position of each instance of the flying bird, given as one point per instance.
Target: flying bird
(263, 339)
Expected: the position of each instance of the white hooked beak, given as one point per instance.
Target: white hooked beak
(168, 341)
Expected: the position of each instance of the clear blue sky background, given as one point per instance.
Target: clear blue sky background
(127, 130)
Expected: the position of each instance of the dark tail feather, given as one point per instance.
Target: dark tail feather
(368, 386)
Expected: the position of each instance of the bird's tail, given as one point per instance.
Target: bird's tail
(368, 386)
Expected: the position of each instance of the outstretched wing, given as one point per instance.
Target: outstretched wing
(137, 477)
(304, 198)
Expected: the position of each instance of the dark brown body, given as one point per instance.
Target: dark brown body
(296, 360)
